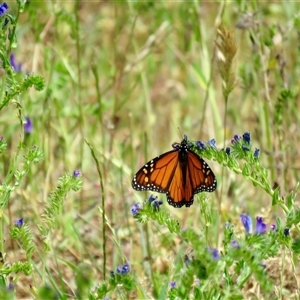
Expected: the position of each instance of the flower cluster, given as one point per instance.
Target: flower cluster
(241, 143)
(202, 146)
(155, 203)
(122, 270)
(260, 227)
(135, 209)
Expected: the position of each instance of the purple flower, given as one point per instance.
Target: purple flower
(125, 269)
(235, 244)
(156, 204)
(173, 285)
(212, 143)
(200, 145)
(247, 222)
(286, 231)
(273, 227)
(227, 150)
(152, 198)
(10, 287)
(19, 222)
(119, 269)
(3, 8)
(15, 66)
(246, 137)
(261, 227)
(76, 173)
(28, 126)
(256, 153)
(136, 208)
(235, 139)
(215, 253)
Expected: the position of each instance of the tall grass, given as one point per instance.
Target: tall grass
(90, 91)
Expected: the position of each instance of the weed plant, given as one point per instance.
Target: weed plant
(90, 91)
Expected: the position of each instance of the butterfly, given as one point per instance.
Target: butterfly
(179, 173)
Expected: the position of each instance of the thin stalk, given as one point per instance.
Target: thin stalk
(102, 208)
(79, 84)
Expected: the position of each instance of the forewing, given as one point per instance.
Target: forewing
(157, 174)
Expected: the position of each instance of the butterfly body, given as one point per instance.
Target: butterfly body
(179, 173)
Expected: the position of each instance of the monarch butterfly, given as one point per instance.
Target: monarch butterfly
(179, 173)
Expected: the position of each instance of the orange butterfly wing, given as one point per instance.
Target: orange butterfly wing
(156, 174)
(179, 173)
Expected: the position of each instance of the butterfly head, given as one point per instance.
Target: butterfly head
(184, 145)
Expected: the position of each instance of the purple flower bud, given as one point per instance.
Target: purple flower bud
(261, 227)
(76, 173)
(247, 222)
(19, 222)
(156, 204)
(125, 269)
(200, 145)
(119, 269)
(235, 139)
(273, 227)
(136, 208)
(15, 66)
(246, 137)
(215, 253)
(10, 287)
(245, 148)
(227, 150)
(212, 143)
(173, 285)
(286, 232)
(3, 8)
(235, 244)
(256, 153)
(152, 198)
(28, 126)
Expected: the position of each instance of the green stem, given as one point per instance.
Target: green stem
(102, 207)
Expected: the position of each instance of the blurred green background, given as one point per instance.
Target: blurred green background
(131, 78)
